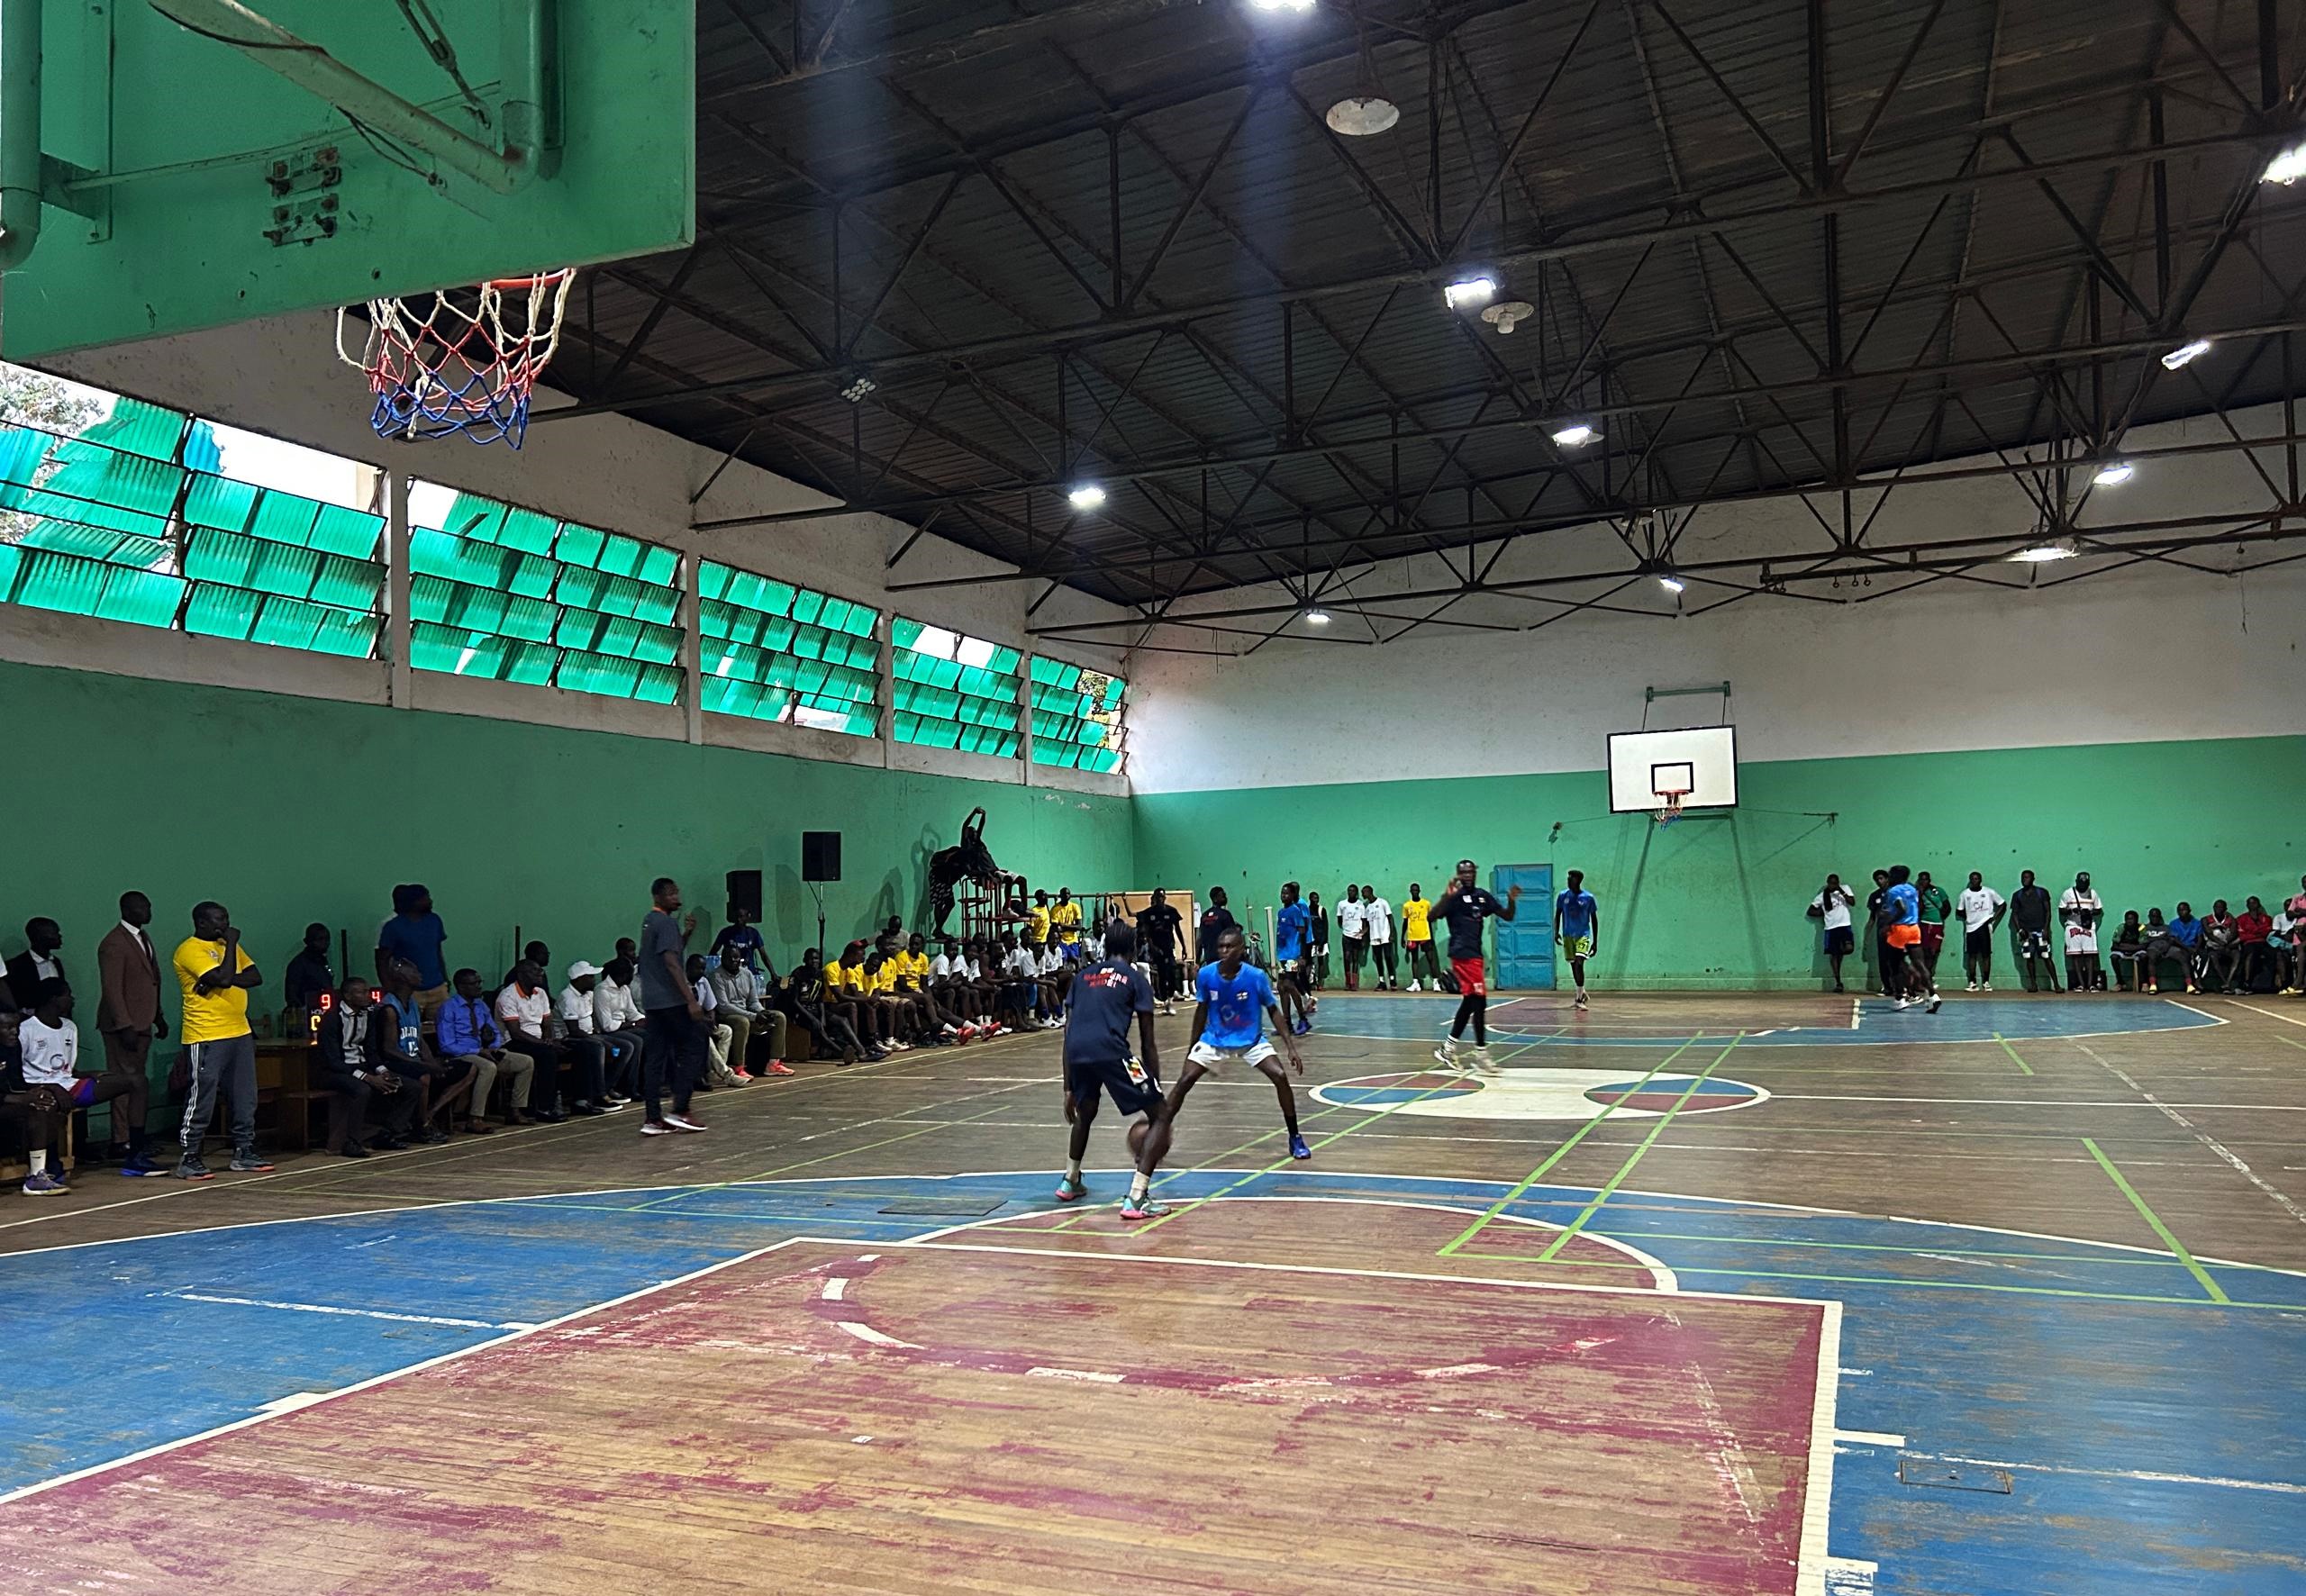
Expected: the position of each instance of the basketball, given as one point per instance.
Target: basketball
(1136, 1137)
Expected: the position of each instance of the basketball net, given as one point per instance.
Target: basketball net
(1673, 810)
(462, 362)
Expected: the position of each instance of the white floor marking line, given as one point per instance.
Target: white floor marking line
(2170, 1110)
(835, 1289)
(143, 1454)
(1857, 1011)
(867, 1333)
(2038, 1102)
(1850, 1576)
(1098, 1376)
(2254, 1008)
(1869, 1438)
(1812, 1567)
(406, 1318)
(2148, 1476)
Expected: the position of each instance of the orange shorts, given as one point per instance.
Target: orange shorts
(1903, 936)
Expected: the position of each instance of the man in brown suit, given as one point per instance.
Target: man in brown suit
(128, 1016)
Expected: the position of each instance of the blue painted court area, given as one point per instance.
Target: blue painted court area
(1964, 1019)
(2152, 1438)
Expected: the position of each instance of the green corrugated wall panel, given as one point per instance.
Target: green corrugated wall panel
(148, 598)
(353, 534)
(218, 611)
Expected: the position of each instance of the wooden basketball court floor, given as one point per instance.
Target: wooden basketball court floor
(1761, 1292)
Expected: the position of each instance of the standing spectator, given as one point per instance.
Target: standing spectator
(128, 1021)
(2294, 911)
(738, 992)
(1832, 908)
(1353, 929)
(217, 975)
(467, 1036)
(414, 932)
(1877, 933)
(2185, 930)
(2222, 946)
(309, 974)
(524, 1010)
(2078, 905)
(1318, 955)
(2282, 941)
(373, 1095)
(1981, 908)
(36, 965)
(396, 1042)
(742, 935)
(1064, 923)
(1577, 929)
(1417, 934)
(2253, 928)
(1215, 922)
(674, 1019)
(2162, 944)
(1935, 907)
(2129, 953)
(2030, 924)
(1036, 919)
(1377, 919)
(1159, 926)
(606, 1065)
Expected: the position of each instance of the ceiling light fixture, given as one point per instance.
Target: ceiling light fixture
(1670, 583)
(2286, 168)
(1362, 116)
(2043, 553)
(857, 388)
(2114, 473)
(1577, 435)
(1317, 617)
(1507, 316)
(1296, 5)
(1467, 292)
(1087, 496)
(2185, 352)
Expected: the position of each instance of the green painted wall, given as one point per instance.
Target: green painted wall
(292, 810)
(1718, 901)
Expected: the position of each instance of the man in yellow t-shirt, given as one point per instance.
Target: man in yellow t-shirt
(219, 1049)
(1064, 921)
(1036, 919)
(1417, 932)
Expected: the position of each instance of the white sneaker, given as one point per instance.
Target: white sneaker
(682, 1123)
(655, 1128)
(1482, 1064)
(1903, 1003)
(1974, 986)
(951, 1030)
(1447, 1052)
(1987, 987)
(1412, 986)
(1933, 1002)
(1580, 998)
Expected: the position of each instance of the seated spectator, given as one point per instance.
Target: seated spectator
(1021, 991)
(811, 1001)
(396, 1043)
(948, 983)
(466, 1035)
(2284, 943)
(2129, 953)
(742, 935)
(723, 1060)
(524, 1010)
(309, 974)
(374, 1095)
(48, 1046)
(2187, 931)
(2221, 947)
(619, 1021)
(35, 1121)
(738, 992)
(628, 951)
(847, 980)
(1056, 976)
(899, 1010)
(2252, 929)
(414, 932)
(36, 965)
(984, 988)
(535, 953)
(912, 967)
(2162, 947)
(604, 1064)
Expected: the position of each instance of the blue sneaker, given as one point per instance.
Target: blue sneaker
(44, 1185)
(1297, 1147)
(1303, 1028)
(1069, 1189)
(1141, 1208)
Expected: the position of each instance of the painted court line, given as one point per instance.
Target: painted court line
(2023, 1068)
(1634, 1157)
(2148, 1476)
(2177, 1248)
(406, 1318)
(2170, 1110)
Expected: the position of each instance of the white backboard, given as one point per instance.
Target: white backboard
(1701, 759)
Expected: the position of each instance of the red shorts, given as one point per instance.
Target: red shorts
(1472, 976)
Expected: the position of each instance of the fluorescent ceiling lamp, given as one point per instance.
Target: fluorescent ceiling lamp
(1470, 290)
(2185, 352)
(1317, 617)
(2288, 167)
(1671, 583)
(1577, 435)
(1362, 116)
(2040, 554)
(2114, 473)
(1300, 5)
(1087, 496)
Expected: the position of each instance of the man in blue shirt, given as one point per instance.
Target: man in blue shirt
(1107, 996)
(1577, 927)
(415, 934)
(1235, 999)
(745, 937)
(1292, 925)
(468, 1034)
(1908, 978)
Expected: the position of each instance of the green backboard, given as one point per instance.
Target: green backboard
(190, 186)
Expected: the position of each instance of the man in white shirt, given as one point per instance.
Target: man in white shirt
(1377, 922)
(2080, 908)
(1832, 906)
(1054, 977)
(1353, 928)
(524, 1008)
(606, 1065)
(49, 1045)
(1981, 908)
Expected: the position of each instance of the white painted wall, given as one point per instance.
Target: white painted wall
(281, 377)
(1978, 667)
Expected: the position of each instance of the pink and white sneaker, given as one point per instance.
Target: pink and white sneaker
(682, 1123)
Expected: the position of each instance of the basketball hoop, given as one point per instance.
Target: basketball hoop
(1673, 810)
(463, 363)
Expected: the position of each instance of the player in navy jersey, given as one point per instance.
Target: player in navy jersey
(1292, 926)
(1107, 995)
(1577, 927)
(1463, 907)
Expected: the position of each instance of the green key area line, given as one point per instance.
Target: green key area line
(2177, 1248)
(1634, 1157)
(1556, 1157)
(2023, 1068)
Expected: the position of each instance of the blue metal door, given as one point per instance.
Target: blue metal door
(1524, 956)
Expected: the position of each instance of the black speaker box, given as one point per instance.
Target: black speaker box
(821, 856)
